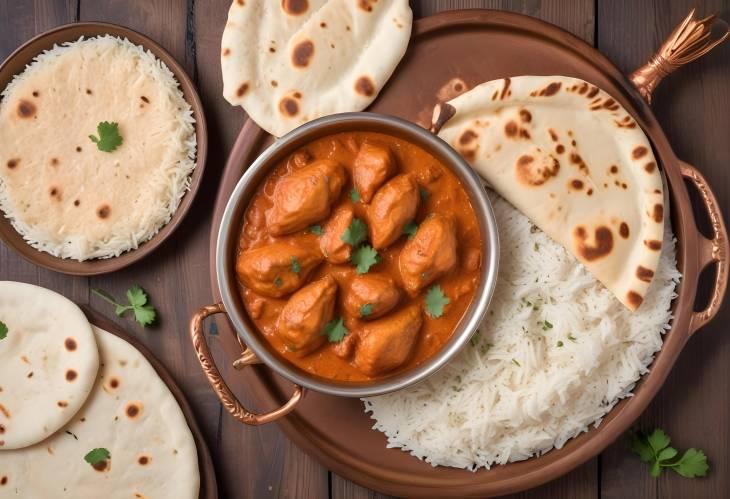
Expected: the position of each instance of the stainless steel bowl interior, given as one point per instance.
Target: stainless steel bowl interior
(230, 227)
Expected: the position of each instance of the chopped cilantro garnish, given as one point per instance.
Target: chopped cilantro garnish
(436, 300)
(278, 282)
(514, 361)
(423, 193)
(354, 195)
(364, 257)
(109, 138)
(571, 337)
(97, 456)
(316, 230)
(560, 343)
(3, 330)
(295, 267)
(355, 233)
(545, 325)
(335, 330)
(410, 228)
(366, 310)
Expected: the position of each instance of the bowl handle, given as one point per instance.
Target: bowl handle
(690, 40)
(226, 396)
(710, 250)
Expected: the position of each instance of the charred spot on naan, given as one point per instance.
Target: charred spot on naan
(644, 274)
(70, 344)
(133, 410)
(601, 246)
(525, 115)
(71, 375)
(650, 167)
(653, 244)
(634, 299)
(366, 5)
(103, 211)
(12, 163)
(62, 404)
(302, 53)
(289, 105)
(26, 109)
(575, 184)
(623, 230)
(626, 122)
(144, 459)
(242, 89)
(365, 86)
(639, 152)
(608, 104)
(657, 213)
(294, 7)
(467, 137)
(55, 193)
(226, 52)
(451, 89)
(550, 90)
(533, 171)
(102, 466)
(577, 160)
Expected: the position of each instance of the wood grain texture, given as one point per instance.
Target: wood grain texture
(693, 106)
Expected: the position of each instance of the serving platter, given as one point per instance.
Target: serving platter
(472, 47)
(15, 64)
(208, 484)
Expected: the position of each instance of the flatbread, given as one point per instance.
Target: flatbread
(291, 61)
(571, 158)
(64, 195)
(48, 364)
(132, 414)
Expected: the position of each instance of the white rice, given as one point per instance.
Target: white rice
(160, 196)
(514, 393)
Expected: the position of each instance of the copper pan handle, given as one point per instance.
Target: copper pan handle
(226, 396)
(690, 40)
(710, 250)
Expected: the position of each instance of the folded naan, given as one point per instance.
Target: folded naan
(288, 62)
(572, 159)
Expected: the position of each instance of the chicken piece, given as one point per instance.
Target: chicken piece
(373, 294)
(386, 343)
(305, 315)
(374, 164)
(305, 196)
(429, 255)
(394, 205)
(336, 250)
(345, 348)
(269, 270)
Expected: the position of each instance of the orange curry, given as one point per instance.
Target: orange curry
(359, 254)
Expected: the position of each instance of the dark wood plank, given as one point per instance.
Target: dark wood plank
(693, 106)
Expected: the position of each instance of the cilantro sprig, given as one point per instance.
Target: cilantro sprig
(109, 138)
(295, 267)
(335, 330)
(354, 195)
(364, 257)
(436, 300)
(366, 310)
(144, 313)
(97, 456)
(3, 330)
(410, 228)
(355, 233)
(654, 450)
(316, 230)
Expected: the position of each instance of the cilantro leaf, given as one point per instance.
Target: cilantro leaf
(355, 233)
(423, 193)
(514, 361)
(560, 343)
(97, 456)
(410, 228)
(278, 282)
(335, 330)
(354, 195)
(144, 313)
(109, 138)
(295, 267)
(654, 450)
(316, 230)
(366, 310)
(3, 330)
(364, 257)
(436, 300)
(693, 463)
(658, 440)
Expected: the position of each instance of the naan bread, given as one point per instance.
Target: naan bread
(571, 158)
(64, 195)
(132, 414)
(291, 61)
(48, 364)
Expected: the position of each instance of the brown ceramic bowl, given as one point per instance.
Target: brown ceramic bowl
(16, 63)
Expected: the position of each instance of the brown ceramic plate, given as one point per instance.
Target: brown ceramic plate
(472, 47)
(208, 484)
(15, 64)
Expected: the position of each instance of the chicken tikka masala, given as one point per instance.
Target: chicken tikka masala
(358, 256)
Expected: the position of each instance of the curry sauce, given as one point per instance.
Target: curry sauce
(296, 271)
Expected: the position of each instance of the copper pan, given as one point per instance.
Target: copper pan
(451, 52)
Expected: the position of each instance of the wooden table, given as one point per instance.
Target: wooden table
(693, 106)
